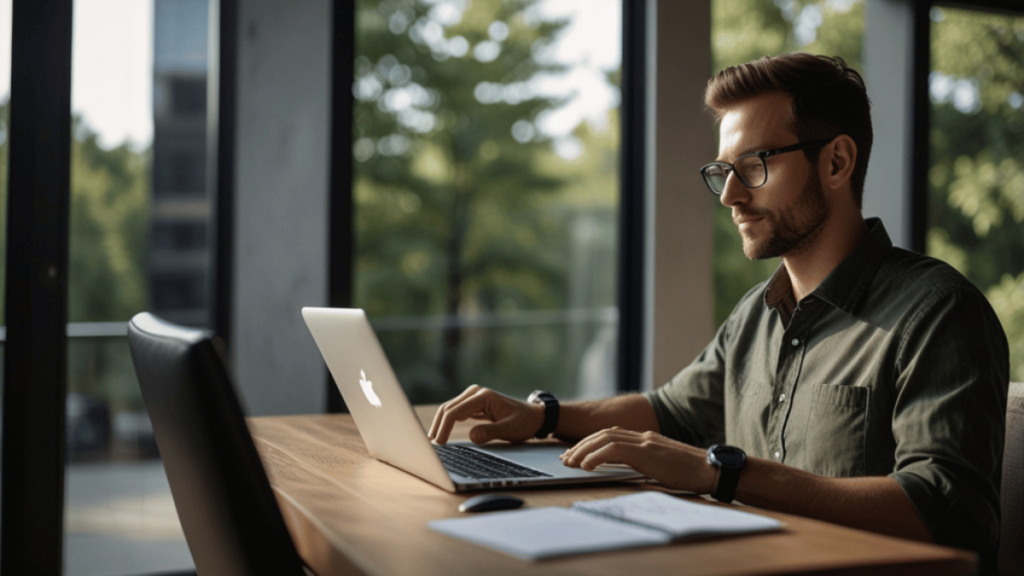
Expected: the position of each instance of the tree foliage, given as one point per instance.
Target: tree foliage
(109, 223)
(976, 179)
(459, 212)
(108, 231)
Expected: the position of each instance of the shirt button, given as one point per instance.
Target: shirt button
(795, 342)
(777, 455)
(782, 397)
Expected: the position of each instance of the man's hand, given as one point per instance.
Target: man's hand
(511, 419)
(672, 463)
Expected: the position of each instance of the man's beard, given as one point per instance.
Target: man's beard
(797, 226)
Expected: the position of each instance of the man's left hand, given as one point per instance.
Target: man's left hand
(670, 462)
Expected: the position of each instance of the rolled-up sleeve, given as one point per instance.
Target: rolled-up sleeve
(949, 419)
(690, 406)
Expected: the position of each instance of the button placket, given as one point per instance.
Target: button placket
(788, 373)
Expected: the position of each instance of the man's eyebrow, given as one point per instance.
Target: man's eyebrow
(744, 152)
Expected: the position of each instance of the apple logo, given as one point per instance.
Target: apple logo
(367, 387)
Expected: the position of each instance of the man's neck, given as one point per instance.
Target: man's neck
(809, 267)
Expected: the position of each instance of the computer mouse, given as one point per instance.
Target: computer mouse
(489, 502)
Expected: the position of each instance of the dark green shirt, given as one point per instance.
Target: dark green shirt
(895, 365)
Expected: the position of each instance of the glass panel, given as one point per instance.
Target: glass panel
(139, 236)
(976, 178)
(745, 30)
(486, 192)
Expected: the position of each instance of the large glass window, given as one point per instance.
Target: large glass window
(486, 191)
(138, 241)
(745, 30)
(976, 177)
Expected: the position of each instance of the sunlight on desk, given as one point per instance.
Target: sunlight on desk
(350, 513)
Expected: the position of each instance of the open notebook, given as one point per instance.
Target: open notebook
(642, 519)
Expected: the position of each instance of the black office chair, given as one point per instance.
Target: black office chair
(227, 509)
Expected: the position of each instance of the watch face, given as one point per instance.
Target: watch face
(729, 456)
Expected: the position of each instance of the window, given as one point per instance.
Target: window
(976, 174)
(486, 192)
(138, 241)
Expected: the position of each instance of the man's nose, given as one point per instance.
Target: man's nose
(735, 192)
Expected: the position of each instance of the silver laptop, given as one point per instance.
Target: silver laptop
(393, 433)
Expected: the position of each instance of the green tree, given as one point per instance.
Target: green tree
(109, 226)
(745, 30)
(454, 218)
(976, 179)
(108, 229)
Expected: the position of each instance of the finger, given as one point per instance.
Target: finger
(576, 454)
(437, 424)
(510, 429)
(596, 440)
(470, 403)
(613, 453)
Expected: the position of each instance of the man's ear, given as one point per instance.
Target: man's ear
(841, 156)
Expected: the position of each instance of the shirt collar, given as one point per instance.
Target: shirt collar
(846, 284)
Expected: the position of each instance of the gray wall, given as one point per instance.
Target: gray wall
(281, 203)
(680, 300)
(888, 59)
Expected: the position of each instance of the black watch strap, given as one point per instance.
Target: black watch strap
(550, 402)
(730, 461)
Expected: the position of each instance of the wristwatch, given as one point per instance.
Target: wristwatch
(550, 402)
(730, 461)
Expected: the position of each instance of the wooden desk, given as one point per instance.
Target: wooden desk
(350, 514)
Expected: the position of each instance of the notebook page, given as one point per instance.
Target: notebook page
(676, 516)
(543, 532)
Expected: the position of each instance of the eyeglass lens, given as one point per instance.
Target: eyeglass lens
(750, 170)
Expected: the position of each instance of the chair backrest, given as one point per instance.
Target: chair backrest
(221, 492)
(1011, 535)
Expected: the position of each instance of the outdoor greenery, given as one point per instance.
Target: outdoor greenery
(106, 269)
(976, 201)
(109, 226)
(466, 218)
(109, 231)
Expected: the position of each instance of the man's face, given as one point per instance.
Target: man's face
(787, 214)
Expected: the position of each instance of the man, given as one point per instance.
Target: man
(866, 384)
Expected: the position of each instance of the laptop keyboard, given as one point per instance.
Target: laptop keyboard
(476, 464)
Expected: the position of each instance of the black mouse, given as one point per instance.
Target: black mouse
(488, 502)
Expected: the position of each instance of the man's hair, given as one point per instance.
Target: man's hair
(829, 99)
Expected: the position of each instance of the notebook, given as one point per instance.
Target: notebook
(392, 432)
(641, 519)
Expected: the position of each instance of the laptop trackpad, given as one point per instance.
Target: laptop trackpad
(545, 457)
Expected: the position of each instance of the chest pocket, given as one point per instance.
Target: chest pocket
(834, 442)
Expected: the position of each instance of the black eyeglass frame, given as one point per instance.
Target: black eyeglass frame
(761, 155)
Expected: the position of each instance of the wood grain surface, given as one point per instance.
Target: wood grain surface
(351, 514)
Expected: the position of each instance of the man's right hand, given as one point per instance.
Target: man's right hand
(510, 419)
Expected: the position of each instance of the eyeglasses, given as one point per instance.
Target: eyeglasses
(751, 169)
